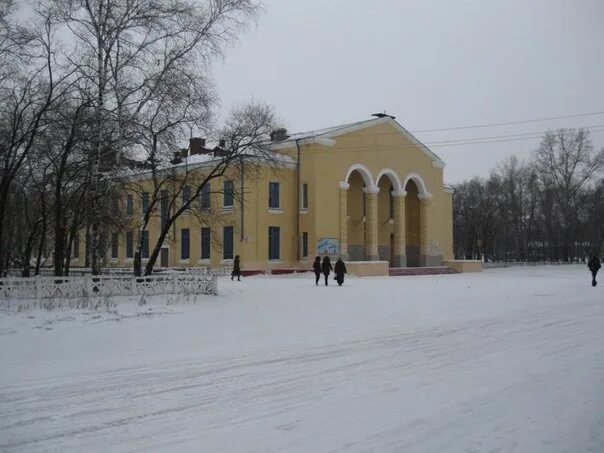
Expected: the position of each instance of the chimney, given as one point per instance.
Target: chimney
(197, 145)
(177, 159)
(279, 135)
(184, 152)
(222, 144)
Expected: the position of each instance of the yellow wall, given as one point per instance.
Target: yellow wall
(378, 147)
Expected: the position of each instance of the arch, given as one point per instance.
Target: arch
(393, 177)
(419, 182)
(364, 172)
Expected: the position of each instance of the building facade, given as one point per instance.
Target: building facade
(367, 191)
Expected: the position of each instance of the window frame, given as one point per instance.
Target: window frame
(228, 193)
(304, 253)
(304, 202)
(274, 204)
(205, 247)
(129, 244)
(224, 242)
(129, 204)
(274, 249)
(205, 197)
(182, 244)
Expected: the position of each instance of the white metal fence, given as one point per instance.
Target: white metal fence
(498, 264)
(102, 286)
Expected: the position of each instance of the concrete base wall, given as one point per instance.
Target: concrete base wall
(430, 260)
(356, 252)
(368, 268)
(464, 265)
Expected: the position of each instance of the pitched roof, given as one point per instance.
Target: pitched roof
(323, 136)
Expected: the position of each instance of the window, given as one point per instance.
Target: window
(186, 195)
(205, 244)
(273, 195)
(273, 243)
(227, 200)
(184, 244)
(391, 201)
(76, 246)
(129, 204)
(145, 248)
(144, 202)
(305, 245)
(164, 207)
(227, 243)
(115, 245)
(129, 244)
(304, 196)
(205, 197)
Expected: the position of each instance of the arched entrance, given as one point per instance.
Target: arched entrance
(412, 227)
(357, 217)
(388, 184)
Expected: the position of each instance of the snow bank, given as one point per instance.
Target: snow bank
(506, 360)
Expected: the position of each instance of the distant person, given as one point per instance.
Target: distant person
(326, 268)
(340, 270)
(316, 267)
(236, 269)
(594, 266)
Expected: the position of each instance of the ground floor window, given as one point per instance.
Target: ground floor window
(115, 245)
(76, 246)
(273, 243)
(184, 244)
(305, 245)
(205, 243)
(227, 243)
(145, 247)
(129, 244)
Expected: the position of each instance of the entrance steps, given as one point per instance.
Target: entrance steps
(406, 271)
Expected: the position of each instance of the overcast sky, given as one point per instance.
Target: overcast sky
(431, 63)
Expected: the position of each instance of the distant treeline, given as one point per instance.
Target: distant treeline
(549, 208)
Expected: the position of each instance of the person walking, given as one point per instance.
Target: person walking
(340, 270)
(236, 269)
(326, 268)
(316, 267)
(594, 266)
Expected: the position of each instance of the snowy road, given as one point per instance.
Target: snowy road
(510, 360)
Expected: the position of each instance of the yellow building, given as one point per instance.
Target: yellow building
(366, 191)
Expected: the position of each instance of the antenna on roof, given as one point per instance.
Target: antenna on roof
(382, 115)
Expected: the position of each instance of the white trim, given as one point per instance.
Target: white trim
(203, 261)
(274, 211)
(419, 182)
(365, 174)
(344, 185)
(392, 176)
(227, 208)
(399, 193)
(371, 189)
(386, 119)
(277, 261)
(322, 141)
(303, 211)
(448, 189)
(424, 196)
(229, 261)
(438, 164)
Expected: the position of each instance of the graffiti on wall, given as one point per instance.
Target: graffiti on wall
(328, 246)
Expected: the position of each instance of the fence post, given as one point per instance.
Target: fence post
(87, 286)
(174, 283)
(38, 288)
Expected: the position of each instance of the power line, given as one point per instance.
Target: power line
(466, 141)
(509, 123)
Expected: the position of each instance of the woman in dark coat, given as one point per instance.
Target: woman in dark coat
(340, 270)
(594, 266)
(236, 269)
(316, 267)
(326, 268)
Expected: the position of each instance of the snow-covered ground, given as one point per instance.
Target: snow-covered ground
(508, 360)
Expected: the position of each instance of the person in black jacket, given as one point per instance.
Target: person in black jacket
(316, 267)
(340, 270)
(594, 266)
(236, 269)
(326, 268)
